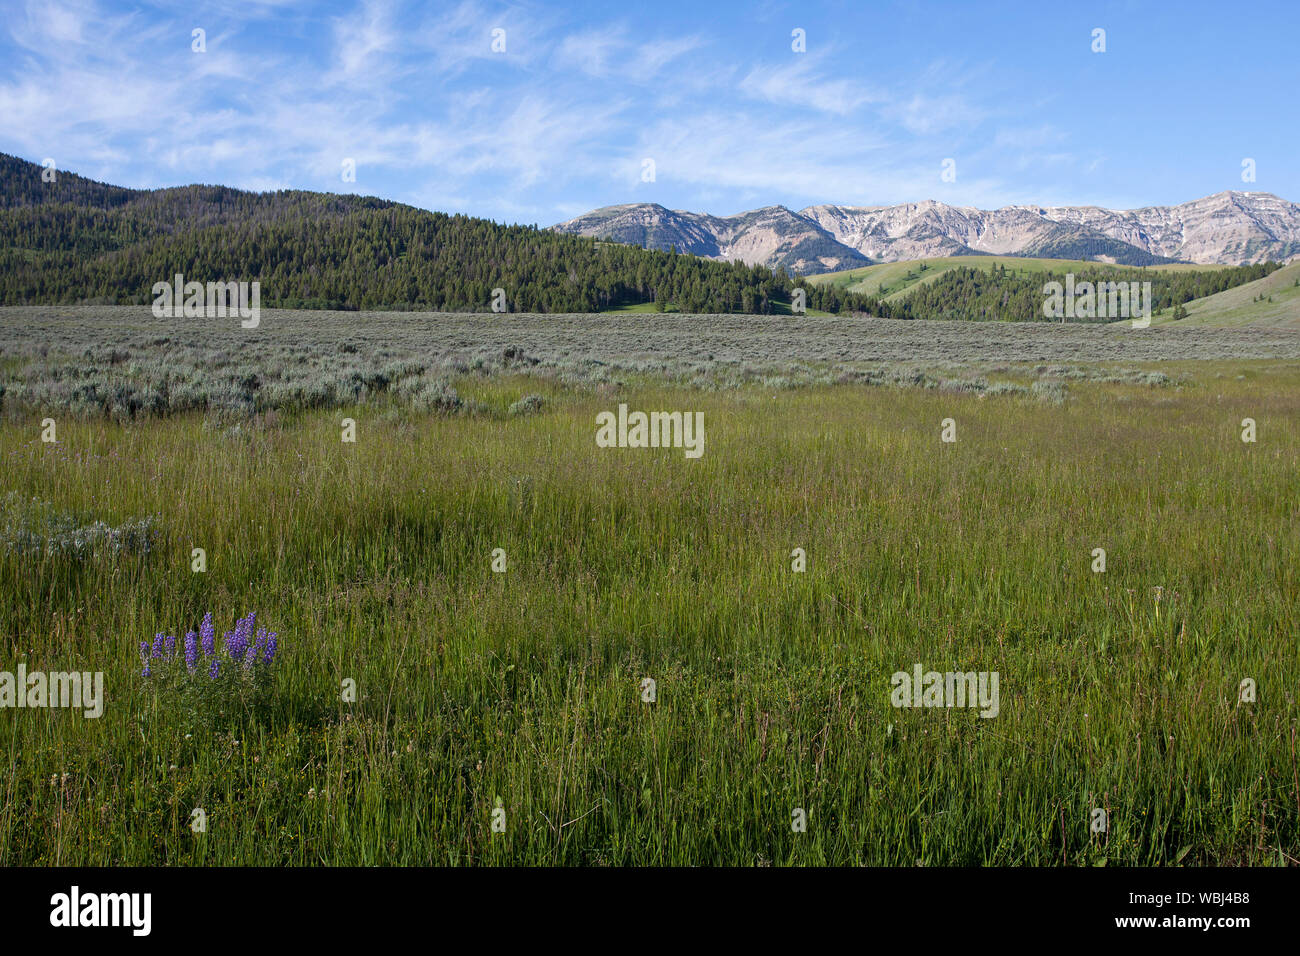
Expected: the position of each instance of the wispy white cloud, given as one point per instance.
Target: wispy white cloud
(610, 51)
(808, 81)
(559, 122)
(364, 40)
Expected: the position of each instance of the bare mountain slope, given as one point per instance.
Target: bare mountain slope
(772, 236)
(1232, 228)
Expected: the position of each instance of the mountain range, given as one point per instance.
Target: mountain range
(1230, 228)
(68, 239)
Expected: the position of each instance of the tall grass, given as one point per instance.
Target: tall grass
(373, 562)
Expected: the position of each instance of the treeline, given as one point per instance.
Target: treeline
(67, 239)
(1012, 295)
(74, 241)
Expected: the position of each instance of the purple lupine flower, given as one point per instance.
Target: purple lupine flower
(239, 645)
(191, 651)
(256, 652)
(247, 624)
(208, 635)
(239, 650)
(236, 642)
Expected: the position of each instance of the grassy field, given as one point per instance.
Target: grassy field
(899, 278)
(522, 690)
(122, 362)
(1270, 302)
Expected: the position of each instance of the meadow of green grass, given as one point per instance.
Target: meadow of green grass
(638, 308)
(372, 560)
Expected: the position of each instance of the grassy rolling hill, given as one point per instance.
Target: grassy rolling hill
(1243, 306)
(896, 279)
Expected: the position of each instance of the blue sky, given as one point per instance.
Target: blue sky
(563, 120)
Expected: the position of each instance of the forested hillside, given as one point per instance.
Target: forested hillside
(74, 240)
(1009, 295)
